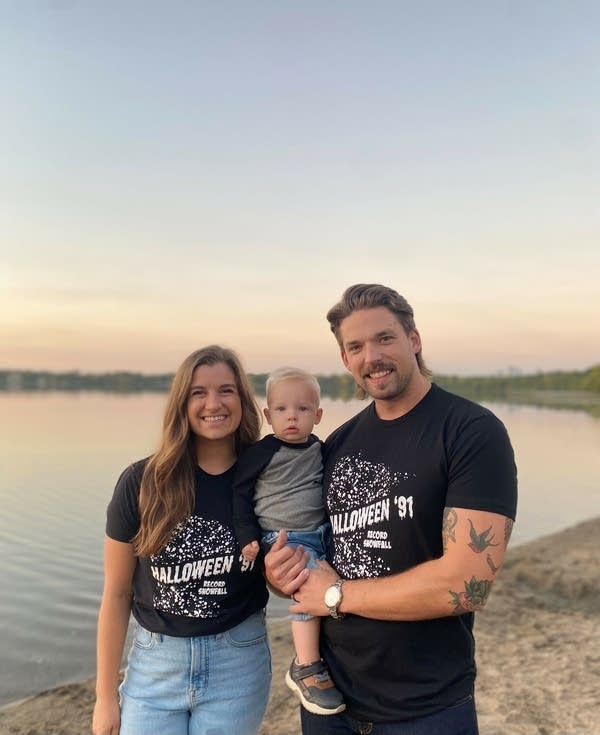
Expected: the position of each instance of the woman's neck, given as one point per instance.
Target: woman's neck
(215, 457)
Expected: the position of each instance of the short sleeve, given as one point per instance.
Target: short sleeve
(122, 514)
(482, 474)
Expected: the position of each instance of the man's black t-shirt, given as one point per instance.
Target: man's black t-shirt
(199, 584)
(386, 485)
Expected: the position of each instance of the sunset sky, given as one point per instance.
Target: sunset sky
(176, 174)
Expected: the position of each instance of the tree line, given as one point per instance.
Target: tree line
(337, 386)
(505, 385)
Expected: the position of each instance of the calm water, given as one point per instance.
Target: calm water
(60, 456)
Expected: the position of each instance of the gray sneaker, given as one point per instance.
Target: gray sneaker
(319, 695)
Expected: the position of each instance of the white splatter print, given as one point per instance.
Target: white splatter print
(358, 500)
(190, 573)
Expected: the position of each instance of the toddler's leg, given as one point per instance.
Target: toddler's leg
(305, 634)
(308, 676)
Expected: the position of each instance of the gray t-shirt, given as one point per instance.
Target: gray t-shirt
(278, 485)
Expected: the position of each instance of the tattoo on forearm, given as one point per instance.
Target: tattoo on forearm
(449, 522)
(472, 598)
(480, 541)
(508, 526)
(491, 564)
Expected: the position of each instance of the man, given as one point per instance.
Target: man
(421, 491)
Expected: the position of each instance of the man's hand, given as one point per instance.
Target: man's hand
(310, 598)
(285, 567)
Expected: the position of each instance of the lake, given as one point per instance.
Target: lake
(61, 454)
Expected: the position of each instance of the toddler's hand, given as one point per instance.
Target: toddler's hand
(250, 551)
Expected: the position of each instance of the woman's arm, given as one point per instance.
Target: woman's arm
(113, 618)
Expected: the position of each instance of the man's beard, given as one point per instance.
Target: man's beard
(398, 382)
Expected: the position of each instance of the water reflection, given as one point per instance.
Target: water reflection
(61, 454)
(558, 466)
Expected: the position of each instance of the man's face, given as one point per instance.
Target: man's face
(379, 353)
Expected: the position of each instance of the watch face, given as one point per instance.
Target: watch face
(332, 596)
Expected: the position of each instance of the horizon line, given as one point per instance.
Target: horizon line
(510, 372)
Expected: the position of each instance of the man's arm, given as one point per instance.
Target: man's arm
(459, 581)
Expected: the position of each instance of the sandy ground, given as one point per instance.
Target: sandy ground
(538, 653)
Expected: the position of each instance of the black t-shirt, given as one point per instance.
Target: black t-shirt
(386, 485)
(199, 584)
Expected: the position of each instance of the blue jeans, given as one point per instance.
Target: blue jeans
(315, 543)
(459, 719)
(204, 685)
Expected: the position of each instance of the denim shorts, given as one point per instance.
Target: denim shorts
(315, 543)
(203, 685)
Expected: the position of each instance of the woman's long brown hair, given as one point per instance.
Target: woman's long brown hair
(168, 484)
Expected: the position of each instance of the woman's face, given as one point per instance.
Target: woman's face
(214, 407)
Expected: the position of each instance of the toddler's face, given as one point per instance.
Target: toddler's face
(293, 410)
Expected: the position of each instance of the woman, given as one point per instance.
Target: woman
(200, 661)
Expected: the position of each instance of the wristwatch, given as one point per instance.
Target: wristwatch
(333, 598)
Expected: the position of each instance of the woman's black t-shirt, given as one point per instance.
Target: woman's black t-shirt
(199, 584)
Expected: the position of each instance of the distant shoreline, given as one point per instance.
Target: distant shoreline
(575, 390)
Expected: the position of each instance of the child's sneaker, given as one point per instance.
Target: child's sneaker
(319, 695)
